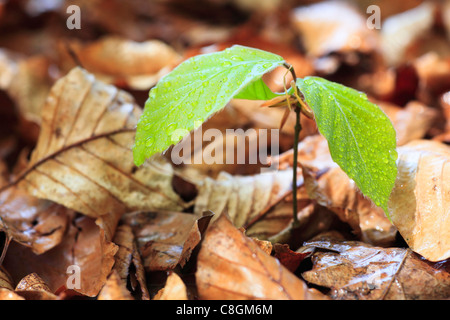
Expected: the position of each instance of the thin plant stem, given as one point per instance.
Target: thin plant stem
(298, 128)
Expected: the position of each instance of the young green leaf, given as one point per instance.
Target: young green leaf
(257, 90)
(193, 91)
(360, 136)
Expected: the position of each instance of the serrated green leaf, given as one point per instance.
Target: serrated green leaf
(192, 92)
(257, 90)
(360, 136)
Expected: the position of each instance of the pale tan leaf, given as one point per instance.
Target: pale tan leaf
(117, 60)
(420, 202)
(175, 289)
(83, 157)
(244, 198)
(356, 270)
(84, 245)
(38, 224)
(27, 81)
(232, 266)
(32, 287)
(332, 26)
(401, 30)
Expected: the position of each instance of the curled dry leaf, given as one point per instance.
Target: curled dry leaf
(84, 245)
(117, 60)
(400, 31)
(166, 239)
(38, 224)
(356, 270)
(32, 287)
(175, 289)
(114, 289)
(83, 157)
(128, 267)
(232, 266)
(244, 198)
(334, 190)
(331, 26)
(420, 202)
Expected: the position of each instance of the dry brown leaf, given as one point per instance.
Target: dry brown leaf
(166, 239)
(84, 245)
(332, 26)
(244, 198)
(32, 287)
(119, 61)
(128, 266)
(356, 270)
(419, 205)
(38, 224)
(288, 258)
(114, 289)
(83, 158)
(27, 81)
(175, 289)
(232, 266)
(401, 31)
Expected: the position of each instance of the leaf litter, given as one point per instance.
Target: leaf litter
(70, 194)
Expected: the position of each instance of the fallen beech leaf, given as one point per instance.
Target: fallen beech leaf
(174, 289)
(334, 190)
(420, 201)
(84, 245)
(166, 239)
(331, 26)
(38, 224)
(32, 287)
(401, 30)
(232, 266)
(83, 157)
(27, 81)
(356, 270)
(243, 197)
(128, 267)
(114, 289)
(117, 60)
